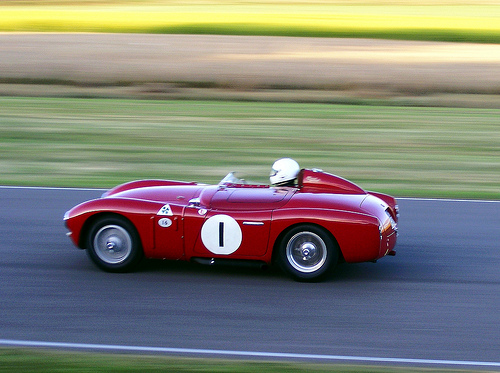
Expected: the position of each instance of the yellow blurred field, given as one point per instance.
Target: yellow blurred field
(477, 21)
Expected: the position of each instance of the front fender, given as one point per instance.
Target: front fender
(140, 213)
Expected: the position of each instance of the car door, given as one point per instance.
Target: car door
(168, 232)
(234, 224)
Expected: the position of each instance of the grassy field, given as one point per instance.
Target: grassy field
(42, 361)
(471, 21)
(406, 151)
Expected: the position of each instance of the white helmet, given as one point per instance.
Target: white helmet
(284, 170)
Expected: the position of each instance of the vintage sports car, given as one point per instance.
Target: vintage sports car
(306, 228)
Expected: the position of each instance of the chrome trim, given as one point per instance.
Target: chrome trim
(194, 202)
(253, 223)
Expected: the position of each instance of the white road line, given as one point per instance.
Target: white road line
(398, 198)
(448, 200)
(247, 354)
(49, 188)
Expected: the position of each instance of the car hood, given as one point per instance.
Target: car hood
(180, 194)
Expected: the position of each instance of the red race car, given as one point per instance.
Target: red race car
(306, 221)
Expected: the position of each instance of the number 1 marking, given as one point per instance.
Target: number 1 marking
(221, 234)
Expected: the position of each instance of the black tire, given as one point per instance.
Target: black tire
(114, 245)
(308, 253)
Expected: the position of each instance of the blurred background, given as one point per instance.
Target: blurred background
(397, 97)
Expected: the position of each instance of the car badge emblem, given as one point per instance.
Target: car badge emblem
(165, 211)
(164, 222)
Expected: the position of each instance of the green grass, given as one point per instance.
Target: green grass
(405, 151)
(41, 361)
(459, 21)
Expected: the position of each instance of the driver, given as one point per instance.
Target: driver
(284, 172)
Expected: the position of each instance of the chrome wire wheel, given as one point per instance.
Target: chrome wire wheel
(306, 252)
(112, 244)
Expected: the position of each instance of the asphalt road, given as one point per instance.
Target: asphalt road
(439, 298)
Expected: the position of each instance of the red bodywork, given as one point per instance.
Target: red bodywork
(173, 218)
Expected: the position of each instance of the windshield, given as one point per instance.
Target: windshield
(231, 178)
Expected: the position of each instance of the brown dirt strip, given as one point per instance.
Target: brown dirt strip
(248, 67)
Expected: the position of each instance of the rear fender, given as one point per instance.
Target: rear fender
(356, 234)
(391, 201)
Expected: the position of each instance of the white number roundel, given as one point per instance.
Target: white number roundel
(221, 234)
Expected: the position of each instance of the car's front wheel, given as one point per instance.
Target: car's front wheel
(307, 253)
(114, 245)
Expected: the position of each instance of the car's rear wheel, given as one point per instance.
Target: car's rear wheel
(114, 245)
(307, 253)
